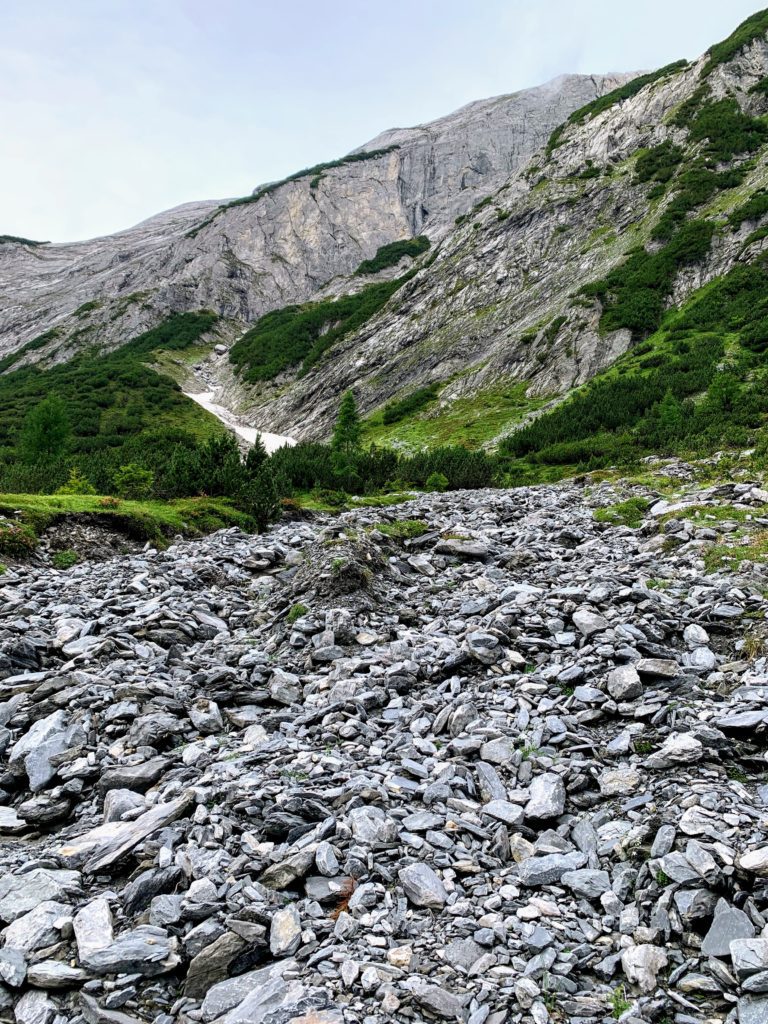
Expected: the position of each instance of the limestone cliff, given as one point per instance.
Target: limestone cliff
(244, 259)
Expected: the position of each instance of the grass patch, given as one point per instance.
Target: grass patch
(296, 612)
(473, 421)
(155, 521)
(723, 556)
(398, 409)
(624, 513)
(403, 529)
(64, 559)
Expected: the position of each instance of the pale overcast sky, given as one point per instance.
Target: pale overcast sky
(112, 110)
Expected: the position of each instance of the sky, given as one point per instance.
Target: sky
(113, 110)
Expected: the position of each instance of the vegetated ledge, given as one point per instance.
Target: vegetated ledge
(154, 521)
(17, 240)
(317, 173)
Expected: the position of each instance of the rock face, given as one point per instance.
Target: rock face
(254, 257)
(500, 300)
(399, 830)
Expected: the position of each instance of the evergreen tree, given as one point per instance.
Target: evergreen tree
(46, 433)
(260, 499)
(670, 416)
(345, 442)
(256, 457)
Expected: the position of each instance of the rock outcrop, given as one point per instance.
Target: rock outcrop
(254, 257)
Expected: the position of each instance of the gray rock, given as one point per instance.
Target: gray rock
(372, 827)
(285, 932)
(749, 956)
(39, 927)
(550, 868)
(422, 886)
(21, 893)
(547, 797)
(624, 683)
(13, 967)
(34, 1008)
(589, 622)
(729, 923)
(587, 883)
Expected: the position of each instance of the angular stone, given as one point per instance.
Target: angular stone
(422, 886)
(749, 956)
(679, 748)
(107, 843)
(729, 923)
(624, 683)
(21, 893)
(588, 884)
(660, 668)
(619, 781)
(547, 797)
(372, 827)
(39, 927)
(589, 622)
(755, 861)
(34, 1007)
(550, 868)
(145, 950)
(285, 932)
(93, 929)
(642, 964)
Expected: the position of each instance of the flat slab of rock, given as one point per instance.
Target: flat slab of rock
(109, 842)
(728, 924)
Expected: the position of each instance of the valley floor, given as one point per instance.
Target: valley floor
(485, 756)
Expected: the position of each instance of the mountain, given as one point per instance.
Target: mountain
(281, 244)
(601, 300)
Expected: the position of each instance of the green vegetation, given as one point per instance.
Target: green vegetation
(76, 484)
(756, 25)
(753, 209)
(673, 392)
(397, 409)
(133, 481)
(473, 420)
(619, 1002)
(634, 294)
(436, 482)
(16, 538)
(403, 529)
(65, 559)
(624, 513)
(610, 99)
(15, 239)
(98, 410)
(728, 132)
(300, 335)
(390, 255)
(296, 612)
(659, 163)
(156, 521)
